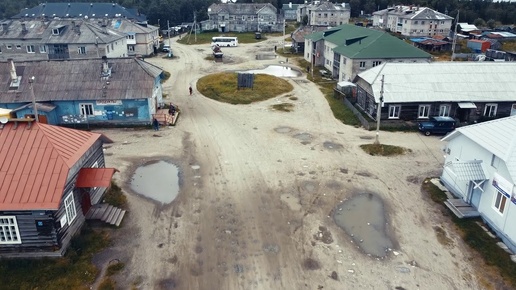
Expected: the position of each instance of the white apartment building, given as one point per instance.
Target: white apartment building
(413, 21)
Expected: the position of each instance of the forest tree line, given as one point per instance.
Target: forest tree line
(479, 12)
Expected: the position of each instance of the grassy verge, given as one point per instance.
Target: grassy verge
(498, 261)
(74, 271)
(115, 197)
(383, 149)
(283, 107)
(223, 87)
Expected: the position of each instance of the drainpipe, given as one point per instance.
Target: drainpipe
(31, 81)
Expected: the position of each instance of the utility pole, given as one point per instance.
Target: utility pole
(283, 34)
(195, 26)
(455, 37)
(31, 81)
(312, 60)
(168, 32)
(379, 115)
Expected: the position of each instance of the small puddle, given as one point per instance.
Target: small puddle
(283, 129)
(303, 137)
(277, 71)
(332, 146)
(157, 180)
(363, 218)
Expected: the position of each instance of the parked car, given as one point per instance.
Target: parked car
(166, 48)
(437, 125)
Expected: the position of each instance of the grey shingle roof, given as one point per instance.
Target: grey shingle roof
(79, 80)
(239, 8)
(74, 10)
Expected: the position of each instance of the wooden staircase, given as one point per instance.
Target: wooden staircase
(106, 213)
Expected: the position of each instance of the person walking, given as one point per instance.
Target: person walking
(190, 90)
(155, 124)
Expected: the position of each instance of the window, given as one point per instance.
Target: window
(243, 17)
(394, 111)
(9, 46)
(130, 48)
(86, 109)
(416, 22)
(344, 60)
(490, 110)
(495, 161)
(424, 111)
(30, 49)
(362, 64)
(112, 47)
(130, 36)
(444, 110)
(442, 22)
(500, 201)
(18, 46)
(81, 50)
(9, 233)
(422, 22)
(107, 48)
(69, 204)
(55, 31)
(376, 62)
(42, 49)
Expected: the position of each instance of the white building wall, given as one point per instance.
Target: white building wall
(117, 48)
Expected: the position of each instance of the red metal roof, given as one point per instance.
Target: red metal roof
(95, 177)
(34, 162)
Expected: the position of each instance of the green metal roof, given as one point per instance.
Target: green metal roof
(362, 43)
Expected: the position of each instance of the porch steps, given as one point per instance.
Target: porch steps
(460, 208)
(106, 213)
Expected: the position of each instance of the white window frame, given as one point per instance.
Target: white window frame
(55, 31)
(31, 49)
(377, 62)
(18, 46)
(86, 109)
(71, 211)
(500, 202)
(444, 110)
(423, 112)
(8, 227)
(42, 49)
(362, 64)
(130, 48)
(394, 111)
(81, 50)
(8, 46)
(490, 110)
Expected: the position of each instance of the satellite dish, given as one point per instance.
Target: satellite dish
(4, 120)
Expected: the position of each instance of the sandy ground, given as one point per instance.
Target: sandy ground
(256, 185)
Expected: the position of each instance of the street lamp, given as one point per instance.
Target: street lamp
(31, 81)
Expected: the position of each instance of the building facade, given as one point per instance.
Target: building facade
(480, 170)
(469, 92)
(347, 50)
(40, 214)
(243, 17)
(322, 13)
(59, 39)
(413, 21)
(83, 92)
(289, 11)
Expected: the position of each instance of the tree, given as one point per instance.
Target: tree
(491, 23)
(479, 22)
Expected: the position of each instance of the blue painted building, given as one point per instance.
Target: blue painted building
(122, 91)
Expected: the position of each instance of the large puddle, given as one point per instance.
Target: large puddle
(363, 218)
(158, 180)
(277, 71)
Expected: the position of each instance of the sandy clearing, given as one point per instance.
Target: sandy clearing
(256, 185)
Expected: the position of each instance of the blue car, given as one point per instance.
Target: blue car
(437, 125)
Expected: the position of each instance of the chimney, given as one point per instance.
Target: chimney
(24, 27)
(5, 26)
(106, 71)
(12, 69)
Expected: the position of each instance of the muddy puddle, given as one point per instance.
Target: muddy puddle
(265, 56)
(157, 180)
(363, 217)
(277, 71)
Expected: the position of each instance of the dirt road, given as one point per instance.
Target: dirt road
(258, 188)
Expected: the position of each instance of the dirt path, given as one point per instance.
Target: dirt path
(257, 185)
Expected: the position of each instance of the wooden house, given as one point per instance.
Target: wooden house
(120, 91)
(480, 170)
(466, 91)
(50, 176)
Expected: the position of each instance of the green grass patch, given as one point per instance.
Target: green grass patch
(223, 87)
(115, 197)
(499, 261)
(434, 192)
(74, 271)
(509, 45)
(284, 107)
(205, 37)
(114, 268)
(383, 149)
